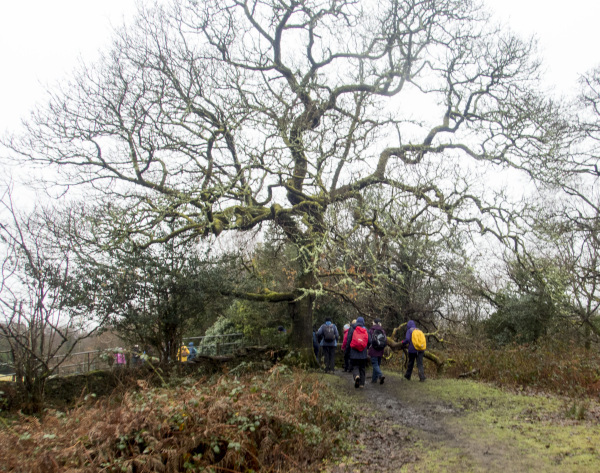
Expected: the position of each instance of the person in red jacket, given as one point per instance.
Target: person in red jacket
(347, 367)
(356, 345)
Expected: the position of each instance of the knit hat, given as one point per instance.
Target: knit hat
(376, 322)
(360, 321)
(346, 327)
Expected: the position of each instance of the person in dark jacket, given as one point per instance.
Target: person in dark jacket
(413, 353)
(376, 354)
(358, 359)
(328, 336)
(316, 346)
(136, 356)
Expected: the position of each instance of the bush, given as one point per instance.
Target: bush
(562, 367)
(269, 421)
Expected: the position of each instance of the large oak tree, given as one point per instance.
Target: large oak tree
(225, 115)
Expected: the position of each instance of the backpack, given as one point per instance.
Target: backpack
(360, 339)
(328, 333)
(379, 339)
(418, 340)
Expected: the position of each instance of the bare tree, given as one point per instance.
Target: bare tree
(569, 226)
(41, 318)
(221, 116)
(566, 231)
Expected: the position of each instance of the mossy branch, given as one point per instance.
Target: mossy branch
(266, 296)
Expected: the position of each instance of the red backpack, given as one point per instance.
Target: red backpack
(360, 339)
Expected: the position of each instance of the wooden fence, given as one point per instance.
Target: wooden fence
(6, 366)
(84, 362)
(216, 345)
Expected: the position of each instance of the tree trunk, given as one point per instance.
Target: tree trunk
(302, 315)
(301, 312)
(34, 395)
(588, 337)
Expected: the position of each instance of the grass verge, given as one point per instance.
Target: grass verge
(495, 430)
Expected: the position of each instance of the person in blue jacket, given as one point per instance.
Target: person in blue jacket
(358, 358)
(328, 336)
(413, 353)
(193, 352)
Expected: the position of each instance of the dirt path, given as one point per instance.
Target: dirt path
(461, 426)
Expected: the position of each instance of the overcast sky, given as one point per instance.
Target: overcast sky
(42, 40)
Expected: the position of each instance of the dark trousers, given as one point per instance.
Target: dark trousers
(347, 364)
(411, 363)
(358, 369)
(329, 353)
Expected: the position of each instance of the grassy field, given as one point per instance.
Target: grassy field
(461, 426)
(490, 429)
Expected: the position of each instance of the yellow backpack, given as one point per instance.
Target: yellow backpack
(418, 340)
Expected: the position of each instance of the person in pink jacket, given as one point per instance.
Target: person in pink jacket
(119, 358)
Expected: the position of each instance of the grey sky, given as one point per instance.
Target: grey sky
(41, 41)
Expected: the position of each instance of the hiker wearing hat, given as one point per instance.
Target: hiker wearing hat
(358, 341)
(328, 336)
(192, 350)
(347, 367)
(378, 343)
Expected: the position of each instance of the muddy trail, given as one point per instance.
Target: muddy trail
(446, 425)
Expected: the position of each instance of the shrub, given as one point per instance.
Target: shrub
(552, 366)
(272, 421)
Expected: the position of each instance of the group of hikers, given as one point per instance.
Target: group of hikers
(360, 344)
(136, 356)
(122, 357)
